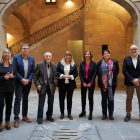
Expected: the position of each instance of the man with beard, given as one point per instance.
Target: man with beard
(131, 71)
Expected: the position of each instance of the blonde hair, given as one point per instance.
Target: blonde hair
(3, 53)
(63, 62)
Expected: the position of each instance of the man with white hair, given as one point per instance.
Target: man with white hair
(45, 81)
(131, 71)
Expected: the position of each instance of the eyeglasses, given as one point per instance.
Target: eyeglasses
(133, 49)
(25, 48)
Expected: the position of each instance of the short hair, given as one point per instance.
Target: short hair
(6, 49)
(85, 54)
(105, 51)
(47, 53)
(24, 45)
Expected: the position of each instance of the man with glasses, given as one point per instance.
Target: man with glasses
(25, 66)
(131, 71)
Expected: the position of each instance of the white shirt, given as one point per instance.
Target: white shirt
(48, 69)
(25, 63)
(134, 61)
(66, 72)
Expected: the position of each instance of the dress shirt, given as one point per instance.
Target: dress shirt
(134, 61)
(87, 68)
(48, 69)
(66, 72)
(25, 63)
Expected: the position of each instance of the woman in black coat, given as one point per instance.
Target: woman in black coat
(67, 72)
(107, 71)
(7, 86)
(87, 74)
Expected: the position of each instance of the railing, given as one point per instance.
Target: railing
(48, 30)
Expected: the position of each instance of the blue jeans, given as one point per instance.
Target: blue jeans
(42, 101)
(105, 102)
(21, 92)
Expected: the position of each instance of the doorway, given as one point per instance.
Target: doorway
(76, 48)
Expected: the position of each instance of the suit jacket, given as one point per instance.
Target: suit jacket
(18, 61)
(129, 70)
(115, 73)
(73, 71)
(91, 72)
(39, 78)
(7, 85)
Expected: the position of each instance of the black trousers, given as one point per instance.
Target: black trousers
(42, 101)
(62, 94)
(90, 96)
(21, 92)
(7, 98)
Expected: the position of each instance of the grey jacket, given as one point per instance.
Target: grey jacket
(39, 78)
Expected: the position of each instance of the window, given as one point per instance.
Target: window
(50, 2)
(104, 47)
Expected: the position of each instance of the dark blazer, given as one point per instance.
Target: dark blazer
(91, 72)
(39, 78)
(73, 71)
(115, 73)
(7, 85)
(18, 61)
(129, 70)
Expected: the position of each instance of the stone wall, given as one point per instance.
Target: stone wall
(103, 29)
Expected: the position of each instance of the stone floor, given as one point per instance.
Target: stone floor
(95, 129)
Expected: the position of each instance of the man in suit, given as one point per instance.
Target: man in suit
(131, 71)
(45, 81)
(25, 66)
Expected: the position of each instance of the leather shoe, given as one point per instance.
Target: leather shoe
(104, 117)
(62, 116)
(111, 117)
(127, 118)
(90, 116)
(8, 125)
(39, 121)
(1, 127)
(82, 114)
(70, 117)
(50, 119)
(26, 119)
(16, 123)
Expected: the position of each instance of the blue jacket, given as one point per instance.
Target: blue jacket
(18, 61)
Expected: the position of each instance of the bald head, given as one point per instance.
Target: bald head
(134, 50)
(48, 56)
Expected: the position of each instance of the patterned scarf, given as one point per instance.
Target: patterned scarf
(107, 77)
(45, 73)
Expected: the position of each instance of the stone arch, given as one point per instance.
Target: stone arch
(24, 23)
(134, 12)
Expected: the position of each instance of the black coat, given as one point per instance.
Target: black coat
(73, 71)
(129, 70)
(91, 72)
(7, 85)
(115, 73)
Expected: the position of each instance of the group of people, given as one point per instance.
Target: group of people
(17, 77)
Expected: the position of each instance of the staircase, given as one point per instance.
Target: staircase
(49, 30)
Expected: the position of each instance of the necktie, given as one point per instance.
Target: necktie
(48, 65)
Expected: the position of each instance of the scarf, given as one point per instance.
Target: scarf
(45, 73)
(107, 77)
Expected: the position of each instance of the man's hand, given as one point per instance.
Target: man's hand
(136, 82)
(23, 81)
(39, 87)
